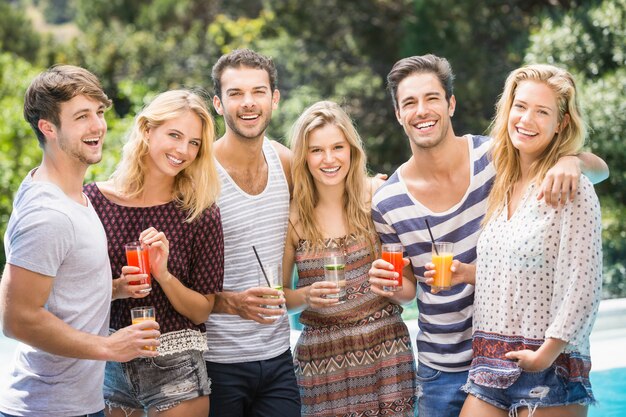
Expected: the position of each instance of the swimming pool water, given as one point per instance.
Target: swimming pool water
(609, 387)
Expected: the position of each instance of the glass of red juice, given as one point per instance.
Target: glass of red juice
(137, 255)
(392, 253)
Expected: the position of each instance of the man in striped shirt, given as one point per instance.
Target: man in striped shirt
(445, 182)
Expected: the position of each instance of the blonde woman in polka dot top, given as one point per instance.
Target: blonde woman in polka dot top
(539, 269)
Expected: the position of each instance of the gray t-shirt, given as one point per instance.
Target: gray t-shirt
(52, 235)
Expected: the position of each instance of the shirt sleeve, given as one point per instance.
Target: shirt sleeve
(207, 267)
(386, 231)
(40, 240)
(578, 276)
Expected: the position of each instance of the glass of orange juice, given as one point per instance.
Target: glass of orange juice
(442, 258)
(139, 314)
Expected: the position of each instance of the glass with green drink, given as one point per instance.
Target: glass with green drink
(335, 271)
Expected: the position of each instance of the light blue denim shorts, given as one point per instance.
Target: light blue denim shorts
(533, 390)
(162, 382)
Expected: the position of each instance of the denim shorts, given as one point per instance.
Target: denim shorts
(162, 382)
(533, 390)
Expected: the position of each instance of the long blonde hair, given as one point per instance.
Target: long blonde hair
(195, 187)
(568, 141)
(305, 195)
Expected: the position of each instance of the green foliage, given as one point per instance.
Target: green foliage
(163, 43)
(58, 11)
(16, 33)
(614, 247)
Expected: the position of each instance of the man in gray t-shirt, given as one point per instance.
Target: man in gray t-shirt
(56, 288)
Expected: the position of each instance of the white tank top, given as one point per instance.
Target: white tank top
(259, 220)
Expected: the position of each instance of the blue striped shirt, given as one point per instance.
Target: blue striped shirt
(444, 341)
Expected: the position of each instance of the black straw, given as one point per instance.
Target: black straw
(261, 265)
(432, 239)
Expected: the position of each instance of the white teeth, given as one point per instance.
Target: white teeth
(425, 124)
(526, 132)
(174, 160)
(330, 170)
(91, 140)
(249, 117)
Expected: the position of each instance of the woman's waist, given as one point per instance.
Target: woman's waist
(357, 316)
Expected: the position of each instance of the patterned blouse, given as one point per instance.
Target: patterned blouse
(539, 276)
(196, 258)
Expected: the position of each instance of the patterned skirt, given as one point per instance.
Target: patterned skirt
(361, 369)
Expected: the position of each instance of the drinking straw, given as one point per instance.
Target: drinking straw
(261, 265)
(432, 239)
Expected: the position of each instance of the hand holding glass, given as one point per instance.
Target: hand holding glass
(139, 314)
(137, 255)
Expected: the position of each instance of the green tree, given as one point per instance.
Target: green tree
(16, 33)
(58, 11)
(159, 44)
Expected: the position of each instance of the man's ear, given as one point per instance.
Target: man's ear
(217, 105)
(452, 105)
(275, 99)
(47, 128)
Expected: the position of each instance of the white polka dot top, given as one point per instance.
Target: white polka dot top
(539, 275)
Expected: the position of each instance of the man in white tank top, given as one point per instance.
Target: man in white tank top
(249, 360)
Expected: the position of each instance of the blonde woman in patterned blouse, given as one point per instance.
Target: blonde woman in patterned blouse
(163, 194)
(539, 269)
(352, 358)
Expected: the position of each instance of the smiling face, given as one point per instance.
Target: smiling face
(423, 110)
(328, 156)
(174, 145)
(533, 119)
(247, 101)
(81, 130)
